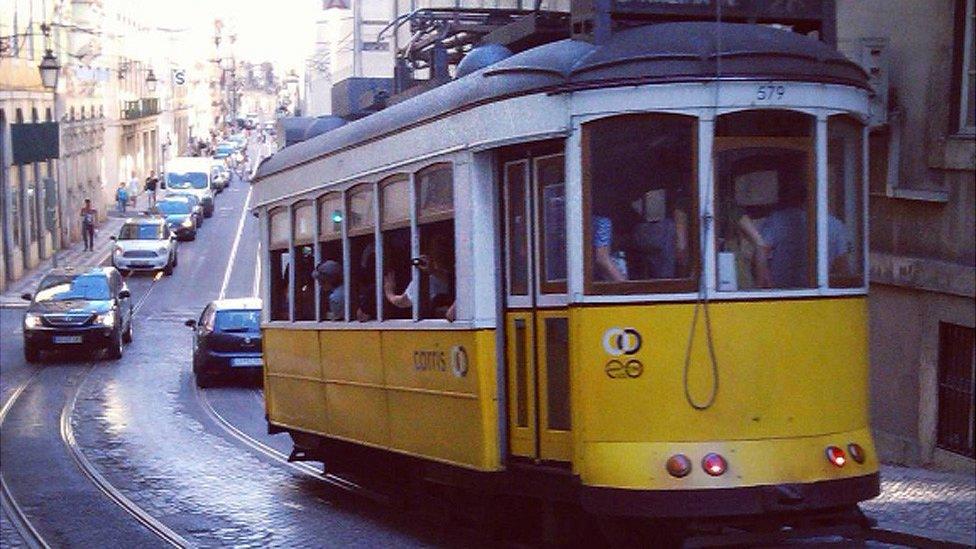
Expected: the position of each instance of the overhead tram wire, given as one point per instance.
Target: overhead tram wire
(701, 301)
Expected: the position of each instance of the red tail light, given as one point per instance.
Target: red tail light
(856, 452)
(714, 464)
(836, 456)
(679, 465)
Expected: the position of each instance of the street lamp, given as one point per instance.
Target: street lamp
(151, 82)
(50, 69)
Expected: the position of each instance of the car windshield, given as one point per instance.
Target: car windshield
(238, 321)
(67, 287)
(173, 207)
(133, 231)
(191, 180)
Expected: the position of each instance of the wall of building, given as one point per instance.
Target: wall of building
(922, 217)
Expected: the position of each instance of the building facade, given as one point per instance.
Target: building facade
(27, 181)
(922, 223)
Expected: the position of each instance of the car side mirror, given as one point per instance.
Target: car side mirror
(26, 297)
(124, 294)
(113, 237)
(191, 323)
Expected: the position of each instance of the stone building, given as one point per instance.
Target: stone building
(922, 211)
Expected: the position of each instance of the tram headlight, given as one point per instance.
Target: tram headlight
(714, 464)
(678, 465)
(856, 452)
(836, 456)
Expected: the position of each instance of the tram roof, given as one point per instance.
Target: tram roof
(659, 53)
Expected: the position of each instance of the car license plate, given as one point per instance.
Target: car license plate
(141, 265)
(238, 362)
(67, 339)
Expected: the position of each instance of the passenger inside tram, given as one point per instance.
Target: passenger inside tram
(764, 234)
(364, 289)
(641, 193)
(328, 273)
(436, 284)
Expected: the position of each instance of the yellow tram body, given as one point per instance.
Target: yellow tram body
(780, 404)
(572, 385)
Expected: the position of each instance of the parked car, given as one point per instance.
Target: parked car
(178, 212)
(227, 341)
(145, 244)
(85, 309)
(194, 201)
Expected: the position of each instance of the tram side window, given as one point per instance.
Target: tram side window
(362, 252)
(641, 205)
(395, 227)
(845, 202)
(304, 235)
(329, 271)
(765, 201)
(550, 177)
(279, 264)
(435, 223)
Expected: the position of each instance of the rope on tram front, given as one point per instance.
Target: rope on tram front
(701, 302)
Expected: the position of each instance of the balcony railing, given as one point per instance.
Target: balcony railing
(132, 110)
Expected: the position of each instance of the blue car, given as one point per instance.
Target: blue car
(178, 212)
(227, 341)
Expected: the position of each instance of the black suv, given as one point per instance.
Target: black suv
(227, 340)
(89, 309)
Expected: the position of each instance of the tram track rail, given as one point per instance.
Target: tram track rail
(303, 468)
(91, 472)
(9, 505)
(19, 519)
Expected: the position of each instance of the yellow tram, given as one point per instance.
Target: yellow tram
(628, 277)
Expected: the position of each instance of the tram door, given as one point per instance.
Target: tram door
(536, 320)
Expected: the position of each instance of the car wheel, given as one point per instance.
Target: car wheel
(114, 350)
(176, 258)
(31, 353)
(208, 213)
(127, 336)
(168, 269)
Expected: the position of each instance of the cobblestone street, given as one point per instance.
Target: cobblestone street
(931, 504)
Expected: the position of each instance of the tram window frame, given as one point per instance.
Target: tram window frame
(850, 189)
(396, 228)
(442, 221)
(279, 263)
(331, 247)
(644, 286)
(362, 306)
(303, 258)
(732, 132)
(547, 285)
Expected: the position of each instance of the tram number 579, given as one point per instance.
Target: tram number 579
(770, 92)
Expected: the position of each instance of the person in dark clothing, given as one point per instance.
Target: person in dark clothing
(152, 182)
(88, 217)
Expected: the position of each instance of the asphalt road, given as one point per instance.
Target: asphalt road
(173, 451)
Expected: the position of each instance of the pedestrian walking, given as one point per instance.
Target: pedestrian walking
(133, 189)
(151, 183)
(122, 196)
(88, 217)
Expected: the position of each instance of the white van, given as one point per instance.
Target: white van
(192, 174)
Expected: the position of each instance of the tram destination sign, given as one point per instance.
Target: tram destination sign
(762, 10)
(595, 20)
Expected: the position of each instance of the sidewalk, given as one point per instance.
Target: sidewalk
(73, 256)
(921, 504)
